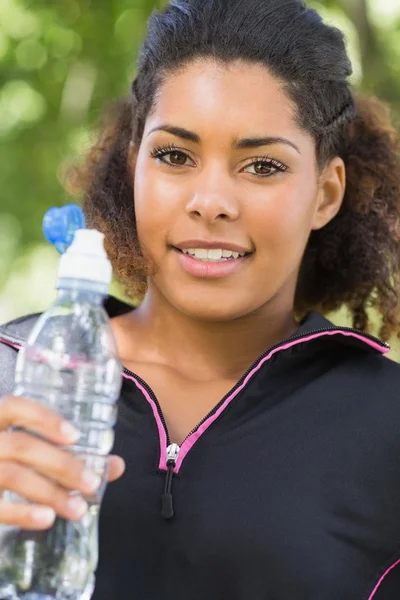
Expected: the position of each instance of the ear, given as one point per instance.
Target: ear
(332, 187)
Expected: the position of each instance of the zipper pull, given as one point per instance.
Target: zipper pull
(167, 506)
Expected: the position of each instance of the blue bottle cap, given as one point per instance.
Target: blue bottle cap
(59, 225)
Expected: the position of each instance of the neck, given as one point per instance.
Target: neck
(204, 350)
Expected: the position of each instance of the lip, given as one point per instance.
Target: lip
(209, 270)
(211, 245)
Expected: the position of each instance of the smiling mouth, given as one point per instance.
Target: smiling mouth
(213, 255)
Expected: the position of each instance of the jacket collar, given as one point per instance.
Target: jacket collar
(17, 330)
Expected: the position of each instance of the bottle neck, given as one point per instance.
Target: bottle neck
(73, 290)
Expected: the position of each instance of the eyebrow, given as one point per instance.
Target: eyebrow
(238, 144)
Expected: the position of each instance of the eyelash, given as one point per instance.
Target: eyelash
(161, 151)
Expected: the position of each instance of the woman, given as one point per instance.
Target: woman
(244, 192)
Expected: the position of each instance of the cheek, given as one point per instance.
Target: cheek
(143, 190)
(282, 220)
(151, 205)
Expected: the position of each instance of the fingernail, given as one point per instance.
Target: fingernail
(69, 431)
(43, 515)
(77, 505)
(90, 480)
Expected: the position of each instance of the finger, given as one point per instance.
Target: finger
(51, 461)
(34, 488)
(16, 411)
(116, 467)
(26, 516)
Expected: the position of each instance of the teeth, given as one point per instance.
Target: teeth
(212, 254)
(215, 254)
(201, 253)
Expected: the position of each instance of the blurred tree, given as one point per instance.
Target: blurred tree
(59, 63)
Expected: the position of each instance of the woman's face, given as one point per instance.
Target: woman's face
(223, 169)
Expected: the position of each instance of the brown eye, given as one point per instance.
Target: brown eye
(177, 158)
(263, 168)
(172, 157)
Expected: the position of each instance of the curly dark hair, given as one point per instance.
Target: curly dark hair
(354, 261)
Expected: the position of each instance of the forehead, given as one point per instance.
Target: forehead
(235, 95)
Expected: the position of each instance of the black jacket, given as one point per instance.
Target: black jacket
(289, 490)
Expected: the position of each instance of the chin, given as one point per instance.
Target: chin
(213, 311)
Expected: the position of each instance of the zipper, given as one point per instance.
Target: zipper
(17, 345)
(153, 397)
(9, 341)
(173, 450)
(367, 336)
(274, 347)
(167, 505)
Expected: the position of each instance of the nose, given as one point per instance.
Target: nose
(214, 200)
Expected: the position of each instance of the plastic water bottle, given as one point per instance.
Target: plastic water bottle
(69, 364)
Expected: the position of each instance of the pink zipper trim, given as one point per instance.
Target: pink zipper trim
(160, 426)
(382, 578)
(161, 429)
(191, 440)
(8, 343)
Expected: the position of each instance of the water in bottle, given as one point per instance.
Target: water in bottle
(69, 364)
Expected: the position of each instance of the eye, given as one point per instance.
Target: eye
(174, 157)
(171, 156)
(265, 167)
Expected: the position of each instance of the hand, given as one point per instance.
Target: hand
(38, 470)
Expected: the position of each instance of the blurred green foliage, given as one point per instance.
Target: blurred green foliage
(61, 61)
